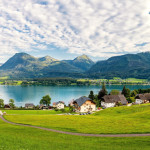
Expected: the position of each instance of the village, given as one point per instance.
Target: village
(87, 105)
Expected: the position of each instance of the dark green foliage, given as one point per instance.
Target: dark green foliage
(126, 92)
(133, 93)
(131, 99)
(102, 92)
(46, 100)
(114, 92)
(97, 101)
(11, 103)
(91, 95)
(1, 103)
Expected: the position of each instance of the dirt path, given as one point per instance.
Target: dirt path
(79, 134)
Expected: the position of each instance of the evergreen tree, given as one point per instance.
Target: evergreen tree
(126, 92)
(91, 95)
(102, 92)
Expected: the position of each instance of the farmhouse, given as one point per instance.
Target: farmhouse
(112, 100)
(84, 104)
(29, 105)
(59, 105)
(142, 98)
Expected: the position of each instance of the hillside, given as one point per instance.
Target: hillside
(82, 62)
(125, 66)
(23, 65)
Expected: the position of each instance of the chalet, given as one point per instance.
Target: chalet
(84, 104)
(59, 105)
(7, 106)
(29, 105)
(142, 98)
(112, 100)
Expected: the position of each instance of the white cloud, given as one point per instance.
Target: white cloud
(95, 27)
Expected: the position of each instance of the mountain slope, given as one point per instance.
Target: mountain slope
(130, 65)
(82, 62)
(25, 65)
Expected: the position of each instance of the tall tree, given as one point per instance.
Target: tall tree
(1, 103)
(126, 92)
(102, 92)
(91, 95)
(46, 100)
(11, 103)
(114, 92)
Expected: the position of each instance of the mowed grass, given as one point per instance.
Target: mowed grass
(31, 112)
(134, 119)
(14, 137)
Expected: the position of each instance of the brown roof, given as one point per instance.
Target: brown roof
(114, 98)
(145, 96)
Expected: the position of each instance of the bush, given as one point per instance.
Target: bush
(62, 110)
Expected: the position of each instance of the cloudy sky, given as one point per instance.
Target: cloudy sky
(65, 29)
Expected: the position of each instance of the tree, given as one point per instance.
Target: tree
(97, 101)
(131, 99)
(133, 93)
(1, 103)
(91, 95)
(46, 100)
(126, 92)
(102, 92)
(11, 103)
(114, 92)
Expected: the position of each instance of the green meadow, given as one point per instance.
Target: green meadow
(14, 137)
(134, 119)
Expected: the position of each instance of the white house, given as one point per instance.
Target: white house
(138, 101)
(59, 105)
(84, 104)
(112, 100)
(142, 98)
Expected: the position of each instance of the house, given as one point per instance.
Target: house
(142, 98)
(71, 102)
(84, 104)
(29, 105)
(7, 106)
(43, 107)
(112, 100)
(59, 105)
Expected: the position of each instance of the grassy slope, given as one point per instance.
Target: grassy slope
(32, 112)
(23, 138)
(134, 119)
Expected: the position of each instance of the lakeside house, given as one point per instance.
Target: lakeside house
(142, 98)
(112, 100)
(84, 104)
(7, 106)
(59, 105)
(29, 105)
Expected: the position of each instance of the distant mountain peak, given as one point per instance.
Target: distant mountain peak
(48, 58)
(85, 57)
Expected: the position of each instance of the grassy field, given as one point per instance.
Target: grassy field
(32, 112)
(24, 138)
(134, 119)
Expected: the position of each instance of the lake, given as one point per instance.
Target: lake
(33, 94)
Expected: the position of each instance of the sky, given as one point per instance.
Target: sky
(65, 29)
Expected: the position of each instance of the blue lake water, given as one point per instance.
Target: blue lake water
(33, 94)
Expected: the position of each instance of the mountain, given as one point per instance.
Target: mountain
(83, 62)
(23, 65)
(129, 65)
